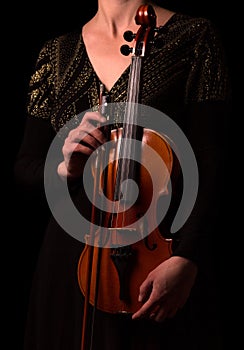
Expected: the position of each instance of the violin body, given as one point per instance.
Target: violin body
(122, 269)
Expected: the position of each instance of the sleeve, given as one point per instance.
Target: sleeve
(41, 149)
(207, 112)
(30, 160)
(39, 132)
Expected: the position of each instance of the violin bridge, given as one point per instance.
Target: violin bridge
(120, 236)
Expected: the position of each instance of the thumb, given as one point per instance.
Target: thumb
(145, 290)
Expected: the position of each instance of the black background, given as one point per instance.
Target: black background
(27, 29)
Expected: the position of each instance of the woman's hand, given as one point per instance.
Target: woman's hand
(79, 144)
(166, 289)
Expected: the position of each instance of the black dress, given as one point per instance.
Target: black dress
(184, 76)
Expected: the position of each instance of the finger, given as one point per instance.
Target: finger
(145, 290)
(164, 311)
(160, 315)
(172, 313)
(81, 149)
(94, 138)
(154, 313)
(92, 142)
(71, 150)
(145, 310)
(93, 118)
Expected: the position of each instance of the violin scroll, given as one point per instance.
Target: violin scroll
(146, 18)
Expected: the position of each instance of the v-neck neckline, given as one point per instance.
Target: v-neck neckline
(127, 69)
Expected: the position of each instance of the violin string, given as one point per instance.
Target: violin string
(130, 124)
(103, 158)
(115, 202)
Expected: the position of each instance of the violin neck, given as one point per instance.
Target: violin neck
(133, 91)
(129, 151)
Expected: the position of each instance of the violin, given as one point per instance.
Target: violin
(110, 274)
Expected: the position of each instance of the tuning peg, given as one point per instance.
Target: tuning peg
(126, 50)
(129, 35)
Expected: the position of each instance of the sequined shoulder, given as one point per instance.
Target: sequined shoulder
(53, 64)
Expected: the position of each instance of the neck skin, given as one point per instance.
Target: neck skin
(103, 36)
(116, 15)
